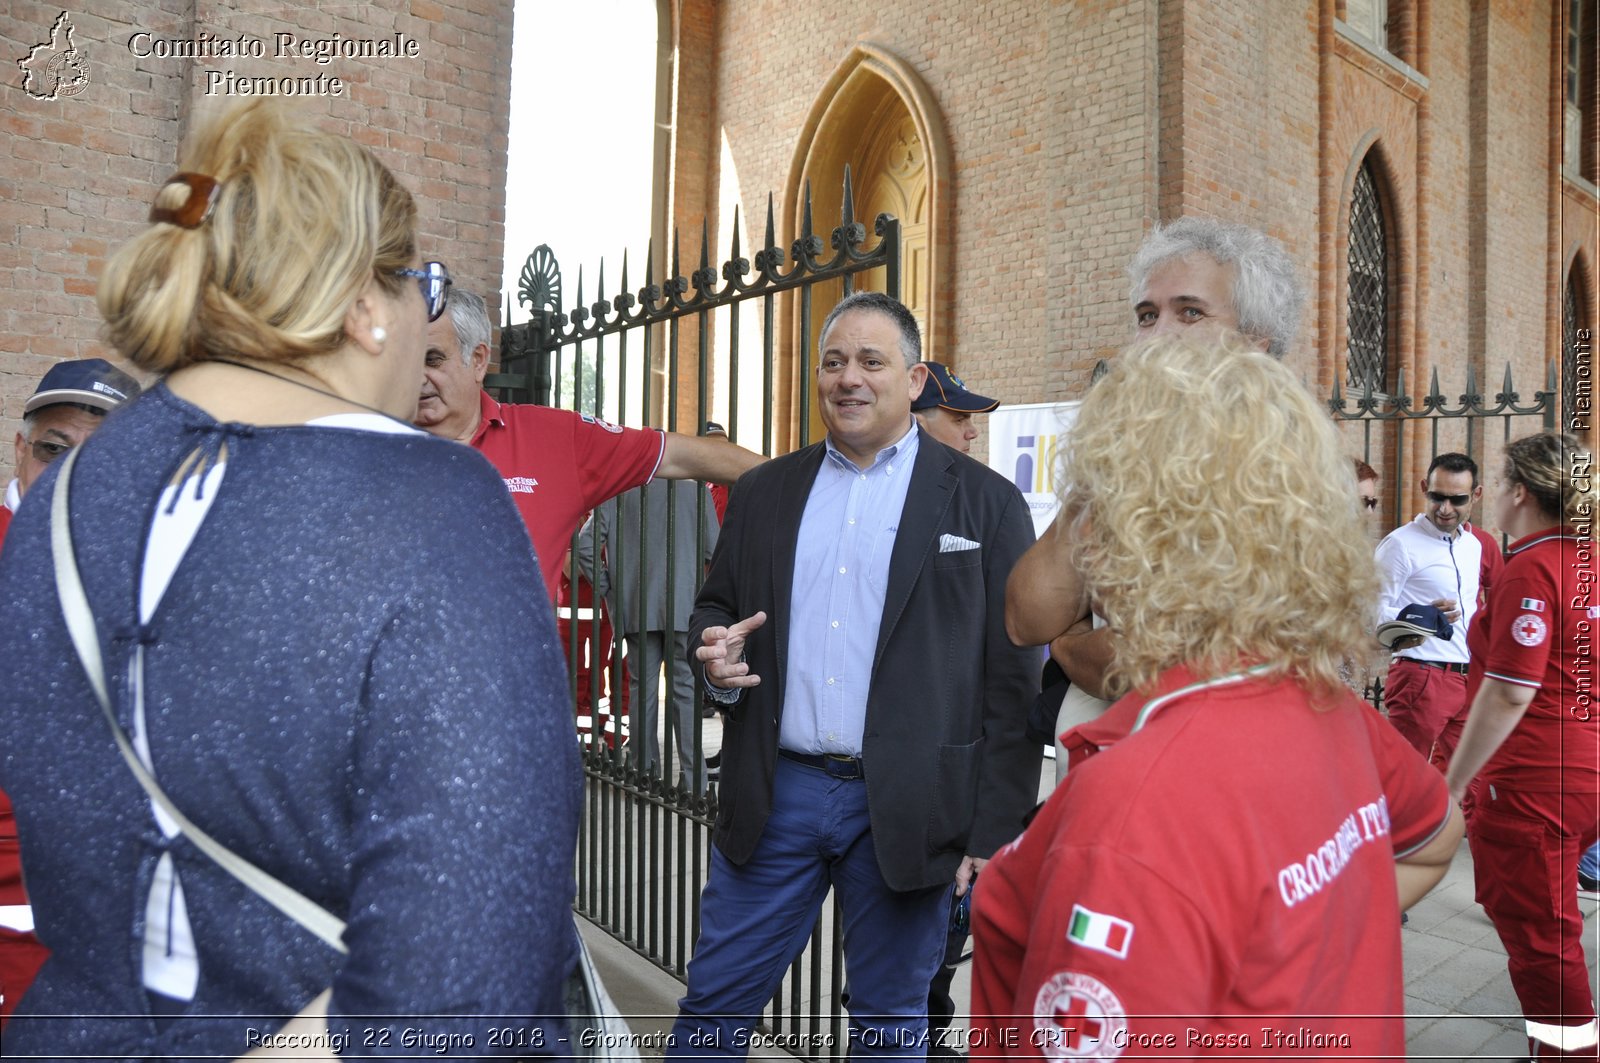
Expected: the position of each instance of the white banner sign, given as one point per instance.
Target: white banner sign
(1025, 445)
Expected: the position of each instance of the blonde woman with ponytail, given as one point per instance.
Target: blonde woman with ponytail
(1531, 747)
(285, 583)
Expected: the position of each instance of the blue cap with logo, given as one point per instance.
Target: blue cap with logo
(946, 389)
(1416, 619)
(92, 382)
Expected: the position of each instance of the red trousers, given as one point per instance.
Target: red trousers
(1525, 850)
(1426, 705)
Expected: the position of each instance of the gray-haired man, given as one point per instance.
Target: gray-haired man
(558, 465)
(1194, 273)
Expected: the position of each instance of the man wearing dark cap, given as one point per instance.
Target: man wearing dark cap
(945, 408)
(63, 411)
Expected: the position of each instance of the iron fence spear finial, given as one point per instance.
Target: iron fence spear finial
(847, 210)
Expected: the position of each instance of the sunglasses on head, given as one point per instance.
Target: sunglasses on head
(45, 451)
(434, 280)
(1455, 500)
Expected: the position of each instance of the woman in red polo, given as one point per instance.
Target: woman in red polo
(1532, 739)
(1174, 897)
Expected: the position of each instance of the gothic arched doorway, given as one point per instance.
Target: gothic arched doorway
(877, 117)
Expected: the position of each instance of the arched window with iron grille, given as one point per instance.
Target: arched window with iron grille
(1367, 351)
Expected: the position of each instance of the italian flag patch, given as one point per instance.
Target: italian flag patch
(1096, 930)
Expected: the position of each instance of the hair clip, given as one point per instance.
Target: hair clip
(202, 200)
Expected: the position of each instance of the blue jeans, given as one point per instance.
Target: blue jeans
(755, 919)
(1589, 863)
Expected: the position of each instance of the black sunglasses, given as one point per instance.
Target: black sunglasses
(1455, 500)
(434, 280)
(44, 451)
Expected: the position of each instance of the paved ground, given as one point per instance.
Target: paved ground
(1458, 999)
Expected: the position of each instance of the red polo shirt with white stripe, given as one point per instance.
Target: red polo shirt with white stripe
(1493, 561)
(1217, 880)
(558, 465)
(1538, 630)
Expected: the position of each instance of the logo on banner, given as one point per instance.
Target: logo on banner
(1035, 471)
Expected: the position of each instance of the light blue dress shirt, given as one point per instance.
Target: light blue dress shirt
(841, 575)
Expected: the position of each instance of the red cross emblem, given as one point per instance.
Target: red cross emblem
(1077, 1016)
(1075, 1022)
(1529, 629)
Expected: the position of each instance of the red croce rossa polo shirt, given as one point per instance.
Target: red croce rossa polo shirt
(558, 465)
(1175, 895)
(1537, 630)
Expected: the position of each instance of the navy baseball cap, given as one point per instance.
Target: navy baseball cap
(1415, 619)
(87, 382)
(946, 389)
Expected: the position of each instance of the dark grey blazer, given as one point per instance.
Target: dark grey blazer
(948, 771)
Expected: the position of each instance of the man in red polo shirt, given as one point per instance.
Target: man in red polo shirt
(557, 464)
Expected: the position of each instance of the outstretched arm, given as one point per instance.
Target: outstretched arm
(1045, 594)
(687, 457)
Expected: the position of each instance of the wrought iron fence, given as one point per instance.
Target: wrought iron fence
(1392, 426)
(645, 842)
(1384, 418)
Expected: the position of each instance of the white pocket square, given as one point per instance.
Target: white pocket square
(951, 543)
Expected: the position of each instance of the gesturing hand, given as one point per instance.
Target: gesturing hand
(723, 653)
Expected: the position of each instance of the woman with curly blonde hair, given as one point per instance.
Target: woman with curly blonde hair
(1531, 746)
(1238, 801)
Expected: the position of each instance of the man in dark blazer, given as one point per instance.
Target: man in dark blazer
(853, 626)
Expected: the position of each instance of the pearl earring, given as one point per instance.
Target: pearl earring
(379, 334)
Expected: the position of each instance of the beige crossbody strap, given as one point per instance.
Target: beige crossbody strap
(86, 640)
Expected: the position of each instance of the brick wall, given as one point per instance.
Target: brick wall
(1073, 126)
(79, 171)
(1049, 112)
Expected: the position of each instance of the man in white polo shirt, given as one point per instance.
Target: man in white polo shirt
(1433, 561)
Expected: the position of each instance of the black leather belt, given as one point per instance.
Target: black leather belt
(1448, 666)
(835, 764)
